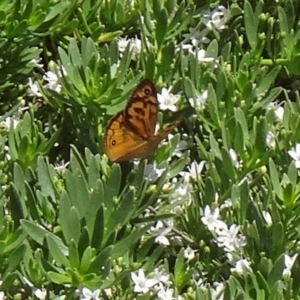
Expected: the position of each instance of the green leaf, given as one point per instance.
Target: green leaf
(212, 49)
(153, 257)
(8, 281)
(14, 259)
(179, 270)
(17, 205)
(59, 278)
(267, 81)
(56, 251)
(260, 129)
(241, 119)
(56, 10)
(124, 245)
(213, 105)
(98, 228)
(73, 254)
(102, 259)
(161, 28)
(86, 260)
(112, 187)
(37, 233)
(44, 178)
(278, 235)
(276, 272)
(74, 54)
(283, 22)
(251, 25)
(73, 224)
(275, 180)
(244, 200)
(228, 165)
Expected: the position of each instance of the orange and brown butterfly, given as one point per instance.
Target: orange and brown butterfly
(131, 132)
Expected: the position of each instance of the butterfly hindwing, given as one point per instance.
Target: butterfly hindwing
(118, 140)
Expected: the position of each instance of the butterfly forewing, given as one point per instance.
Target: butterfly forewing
(141, 110)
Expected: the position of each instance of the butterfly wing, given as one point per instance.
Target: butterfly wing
(121, 144)
(147, 148)
(162, 134)
(141, 110)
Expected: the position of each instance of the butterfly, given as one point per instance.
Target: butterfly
(131, 132)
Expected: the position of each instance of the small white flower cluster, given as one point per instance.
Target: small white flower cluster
(135, 46)
(216, 19)
(161, 230)
(234, 158)
(295, 155)
(152, 173)
(199, 101)
(87, 294)
(52, 82)
(157, 284)
(288, 263)
(167, 100)
(212, 20)
(278, 112)
(227, 238)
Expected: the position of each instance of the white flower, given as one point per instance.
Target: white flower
(135, 46)
(218, 290)
(165, 294)
(197, 36)
(61, 166)
(35, 62)
(200, 55)
(226, 204)
(40, 293)
(122, 44)
(167, 100)
(182, 145)
(161, 276)
(184, 189)
(142, 284)
(217, 19)
(241, 267)
(189, 253)
(34, 88)
(230, 239)
(234, 159)
(11, 122)
(200, 100)
(188, 47)
(160, 230)
(211, 219)
(2, 296)
(279, 111)
(152, 173)
(295, 154)
(288, 262)
(267, 217)
(271, 140)
(194, 171)
(198, 280)
(52, 79)
(90, 295)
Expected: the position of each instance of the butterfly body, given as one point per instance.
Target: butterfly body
(131, 132)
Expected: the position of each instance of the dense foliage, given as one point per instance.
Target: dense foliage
(214, 215)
